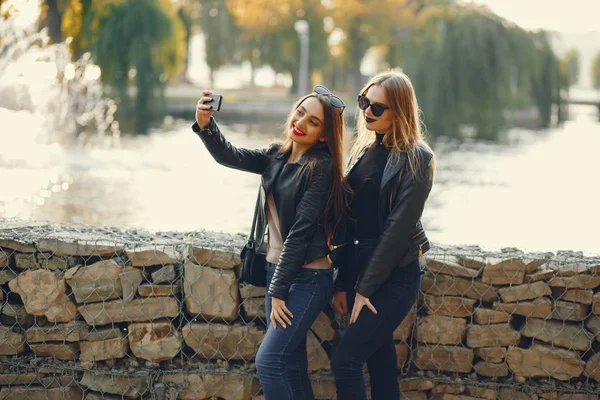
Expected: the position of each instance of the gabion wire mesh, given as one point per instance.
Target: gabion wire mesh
(112, 313)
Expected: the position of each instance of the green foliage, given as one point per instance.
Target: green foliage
(469, 66)
(137, 35)
(595, 70)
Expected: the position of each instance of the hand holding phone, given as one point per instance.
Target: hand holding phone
(206, 106)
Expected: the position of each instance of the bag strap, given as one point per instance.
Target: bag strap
(253, 228)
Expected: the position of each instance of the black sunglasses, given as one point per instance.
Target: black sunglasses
(376, 108)
(334, 100)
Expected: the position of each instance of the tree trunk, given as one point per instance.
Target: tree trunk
(53, 20)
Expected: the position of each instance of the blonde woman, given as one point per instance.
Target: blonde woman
(391, 175)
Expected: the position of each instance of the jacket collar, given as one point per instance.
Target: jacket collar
(392, 167)
(317, 148)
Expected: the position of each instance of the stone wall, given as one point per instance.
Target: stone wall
(108, 313)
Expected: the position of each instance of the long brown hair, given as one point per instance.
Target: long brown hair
(407, 133)
(333, 130)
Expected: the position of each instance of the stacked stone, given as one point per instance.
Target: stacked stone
(135, 321)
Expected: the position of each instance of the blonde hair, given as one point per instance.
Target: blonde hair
(406, 134)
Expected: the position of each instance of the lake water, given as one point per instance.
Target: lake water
(534, 190)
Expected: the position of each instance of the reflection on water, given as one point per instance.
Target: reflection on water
(532, 190)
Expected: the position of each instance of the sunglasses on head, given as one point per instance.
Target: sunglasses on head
(334, 100)
(376, 108)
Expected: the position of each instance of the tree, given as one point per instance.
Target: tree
(221, 35)
(595, 70)
(138, 40)
(570, 66)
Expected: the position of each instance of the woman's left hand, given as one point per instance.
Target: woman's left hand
(280, 313)
(359, 302)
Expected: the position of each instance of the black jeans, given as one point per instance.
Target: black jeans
(370, 339)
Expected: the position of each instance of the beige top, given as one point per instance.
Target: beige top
(275, 243)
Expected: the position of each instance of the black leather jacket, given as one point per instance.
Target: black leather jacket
(302, 199)
(402, 240)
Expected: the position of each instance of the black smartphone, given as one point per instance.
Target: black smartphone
(216, 101)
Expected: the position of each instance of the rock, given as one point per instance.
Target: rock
(228, 342)
(149, 255)
(495, 335)
(6, 275)
(130, 386)
(542, 275)
(47, 261)
(254, 308)
(565, 310)
(70, 332)
(210, 292)
(491, 370)
(62, 248)
(538, 308)
(526, 291)
(166, 274)
(504, 272)
(420, 385)
(215, 258)
(402, 351)
(593, 324)
(581, 281)
(16, 314)
(470, 262)
(323, 389)
(592, 368)
(481, 392)
(154, 341)
(322, 327)
(448, 305)
(130, 281)
(43, 294)
(40, 393)
(491, 354)
(26, 261)
(100, 281)
(247, 291)
(453, 286)
(441, 330)
(485, 316)
(60, 351)
(146, 309)
(412, 396)
(103, 334)
(404, 330)
(98, 350)
(543, 361)
(511, 394)
(448, 267)
(444, 358)
(317, 357)
(448, 388)
(11, 342)
(570, 336)
(596, 304)
(574, 295)
(204, 386)
(158, 290)
(28, 378)
(4, 259)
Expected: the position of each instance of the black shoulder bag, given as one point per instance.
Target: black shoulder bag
(253, 264)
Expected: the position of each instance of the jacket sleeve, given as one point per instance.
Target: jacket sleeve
(309, 211)
(226, 154)
(395, 240)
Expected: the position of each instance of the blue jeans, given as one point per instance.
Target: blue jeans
(370, 339)
(282, 361)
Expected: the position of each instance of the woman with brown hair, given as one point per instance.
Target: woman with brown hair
(301, 200)
(391, 175)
